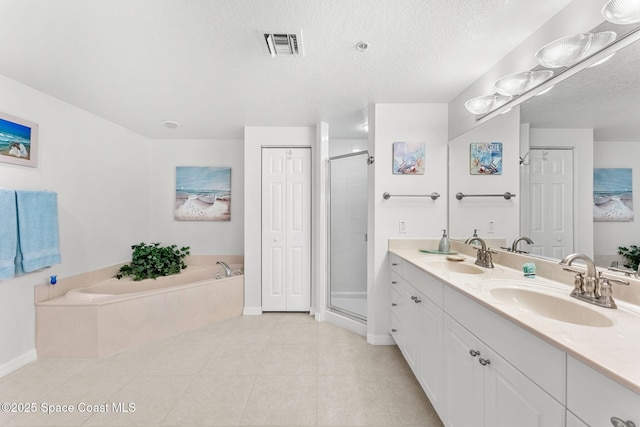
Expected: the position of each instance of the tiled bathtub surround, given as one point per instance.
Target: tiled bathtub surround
(274, 369)
(91, 324)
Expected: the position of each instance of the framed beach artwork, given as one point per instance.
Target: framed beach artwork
(485, 158)
(408, 158)
(18, 141)
(612, 195)
(203, 193)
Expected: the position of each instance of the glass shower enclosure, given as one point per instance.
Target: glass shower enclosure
(348, 216)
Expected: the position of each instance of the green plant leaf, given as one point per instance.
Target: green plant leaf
(149, 261)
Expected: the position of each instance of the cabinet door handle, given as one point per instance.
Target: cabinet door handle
(617, 422)
(394, 330)
(395, 264)
(413, 298)
(393, 304)
(393, 282)
(484, 362)
(417, 301)
(474, 353)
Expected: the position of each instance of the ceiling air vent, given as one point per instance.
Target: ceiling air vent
(281, 44)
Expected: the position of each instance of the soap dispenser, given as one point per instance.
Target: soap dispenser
(444, 246)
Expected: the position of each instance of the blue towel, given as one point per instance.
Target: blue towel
(8, 233)
(38, 229)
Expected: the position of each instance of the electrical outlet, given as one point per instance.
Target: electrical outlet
(491, 228)
(402, 227)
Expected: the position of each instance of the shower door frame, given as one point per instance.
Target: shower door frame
(347, 313)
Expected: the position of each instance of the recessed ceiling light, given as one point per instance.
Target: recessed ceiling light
(362, 46)
(170, 124)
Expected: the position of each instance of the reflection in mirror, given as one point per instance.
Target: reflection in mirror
(589, 121)
(494, 217)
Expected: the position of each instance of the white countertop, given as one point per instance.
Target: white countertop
(613, 350)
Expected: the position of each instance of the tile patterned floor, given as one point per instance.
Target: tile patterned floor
(271, 370)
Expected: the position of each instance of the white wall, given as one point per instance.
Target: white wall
(338, 147)
(254, 139)
(424, 217)
(477, 212)
(203, 237)
(581, 141)
(608, 236)
(101, 173)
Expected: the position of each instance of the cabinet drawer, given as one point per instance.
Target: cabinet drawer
(426, 284)
(595, 398)
(396, 328)
(543, 363)
(396, 293)
(395, 262)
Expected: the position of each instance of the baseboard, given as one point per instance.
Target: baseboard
(344, 322)
(385, 339)
(252, 311)
(350, 294)
(18, 362)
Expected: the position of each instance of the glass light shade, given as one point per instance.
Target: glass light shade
(600, 41)
(519, 83)
(565, 51)
(513, 84)
(622, 11)
(484, 104)
(539, 77)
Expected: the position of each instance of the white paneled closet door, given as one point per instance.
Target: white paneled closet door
(286, 229)
(551, 202)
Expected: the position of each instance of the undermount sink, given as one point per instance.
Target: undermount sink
(456, 267)
(551, 306)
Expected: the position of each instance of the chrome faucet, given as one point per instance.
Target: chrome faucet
(226, 267)
(483, 259)
(592, 288)
(514, 245)
(615, 266)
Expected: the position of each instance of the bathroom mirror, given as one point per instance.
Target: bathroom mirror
(593, 117)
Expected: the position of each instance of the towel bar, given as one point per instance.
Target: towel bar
(433, 195)
(506, 195)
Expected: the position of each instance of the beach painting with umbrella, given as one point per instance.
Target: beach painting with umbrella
(203, 193)
(612, 195)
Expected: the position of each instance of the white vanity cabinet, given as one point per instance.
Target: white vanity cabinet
(464, 377)
(477, 368)
(595, 398)
(482, 388)
(419, 327)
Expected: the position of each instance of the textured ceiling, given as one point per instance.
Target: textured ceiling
(202, 63)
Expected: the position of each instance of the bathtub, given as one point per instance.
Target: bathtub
(111, 315)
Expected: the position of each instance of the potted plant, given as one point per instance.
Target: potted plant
(152, 261)
(632, 253)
